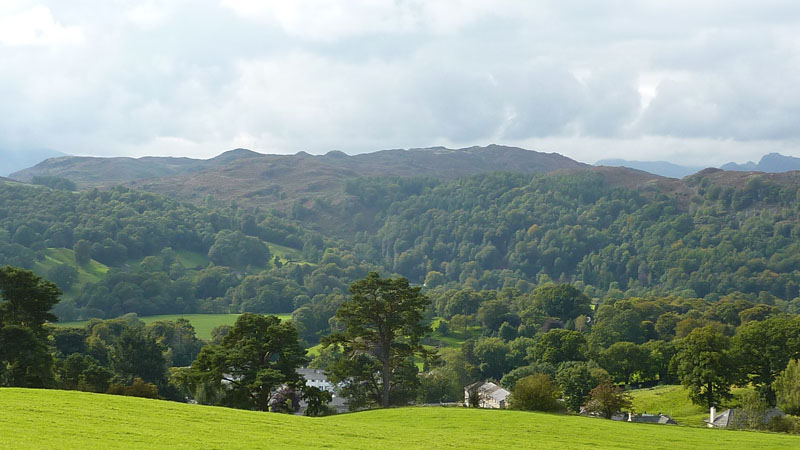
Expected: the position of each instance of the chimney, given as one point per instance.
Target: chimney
(712, 416)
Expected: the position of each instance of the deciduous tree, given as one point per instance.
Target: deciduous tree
(787, 388)
(704, 366)
(535, 393)
(607, 399)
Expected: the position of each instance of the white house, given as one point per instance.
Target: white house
(489, 395)
(316, 378)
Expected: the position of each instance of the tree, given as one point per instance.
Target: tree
(559, 345)
(492, 356)
(625, 362)
(257, 356)
(607, 399)
(317, 401)
(787, 388)
(562, 301)
(535, 393)
(439, 385)
(754, 409)
(27, 299)
(576, 379)
(492, 314)
(763, 349)
(383, 326)
(25, 360)
(137, 355)
(63, 275)
(510, 379)
(704, 366)
(83, 252)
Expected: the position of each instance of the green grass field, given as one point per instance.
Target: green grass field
(33, 418)
(202, 323)
(285, 253)
(673, 400)
(90, 273)
(192, 260)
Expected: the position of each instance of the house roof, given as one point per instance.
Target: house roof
(312, 374)
(489, 389)
(736, 417)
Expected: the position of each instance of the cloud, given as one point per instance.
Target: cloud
(702, 81)
(37, 26)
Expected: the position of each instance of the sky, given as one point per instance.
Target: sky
(698, 82)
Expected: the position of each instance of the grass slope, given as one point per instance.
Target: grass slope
(90, 273)
(673, 400)
(33, 418)
(202, 323)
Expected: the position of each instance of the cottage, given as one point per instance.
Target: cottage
(486, 395)
(316, 378)
(737, 418)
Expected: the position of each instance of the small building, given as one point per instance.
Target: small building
(318, 379)
(486, 395)
(660, 419)
(737, 418)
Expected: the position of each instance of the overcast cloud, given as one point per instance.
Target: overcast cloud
(695, 82)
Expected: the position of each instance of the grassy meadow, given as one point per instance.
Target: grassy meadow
(202, 323)
(90, 273)
(33, 418)
(673, 400)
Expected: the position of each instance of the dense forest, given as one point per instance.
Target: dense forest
(485, 232)
(504, 230)
(568, 275)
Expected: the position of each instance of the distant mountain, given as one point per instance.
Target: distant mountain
(258, 178)
(14, 160)
(772, 163)
(294, 184)
(663, 168)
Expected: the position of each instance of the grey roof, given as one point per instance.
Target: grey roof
(737, 417)
(489, 389)
(659, 418)
(312, 374)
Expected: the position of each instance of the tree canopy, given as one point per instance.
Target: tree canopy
(258, 355)
(382, 324)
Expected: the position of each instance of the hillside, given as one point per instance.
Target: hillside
(69, 419)
(258, 179)
(605, 227)
(662, 168)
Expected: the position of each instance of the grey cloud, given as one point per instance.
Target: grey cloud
(201, 77)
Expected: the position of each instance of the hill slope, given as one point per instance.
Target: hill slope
(69, 419)
(255, 178)
(662, 168)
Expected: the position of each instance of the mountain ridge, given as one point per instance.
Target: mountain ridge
(770, 163)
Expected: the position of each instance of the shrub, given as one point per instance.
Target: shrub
(607, 399)
(535, 393)
(137, 389)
